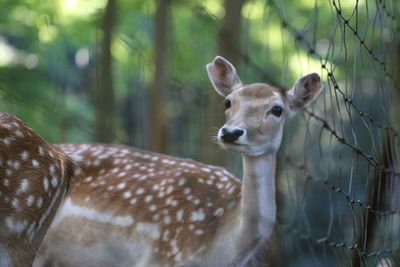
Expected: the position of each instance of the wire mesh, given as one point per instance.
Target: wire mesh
(339, 170)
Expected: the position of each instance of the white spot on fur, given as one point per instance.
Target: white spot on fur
(24, 155)
(9, 223)
(39, 202)
(46, 184)
(198, 232)
(41, 151)
(179, 215)
(29, 200)
(6, 141)
(165, 235)
(218, 212)
(15, 203)
(121, 186)
(169, 190)
(206, 169)
(23, 186)
(140, 191)
(127, 194)
(167, 219)
(54, 181)
(182, 181)
(198, 215)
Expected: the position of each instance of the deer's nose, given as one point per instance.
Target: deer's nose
(231, 136)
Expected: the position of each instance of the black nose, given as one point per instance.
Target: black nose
(231, 136)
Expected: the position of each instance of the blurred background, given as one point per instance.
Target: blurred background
(133, 72)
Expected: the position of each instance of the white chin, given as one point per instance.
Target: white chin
(233, 147)
(244, 149)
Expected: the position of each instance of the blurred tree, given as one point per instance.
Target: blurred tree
(379, 189)
(229, 34)
(159, 85)
(228, 38)
(103, 92)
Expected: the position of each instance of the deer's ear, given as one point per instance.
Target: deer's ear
(305, 90)
(223, 76)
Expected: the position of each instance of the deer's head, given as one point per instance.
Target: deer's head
(255, 113)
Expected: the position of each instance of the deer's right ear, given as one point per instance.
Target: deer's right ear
(223, 76)
(306, 89)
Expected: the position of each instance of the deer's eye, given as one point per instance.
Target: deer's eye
(276, 111)
(227, 103)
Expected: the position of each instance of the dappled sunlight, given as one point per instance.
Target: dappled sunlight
(7, 53)
(120, 50)
(214, 7)
(10, 56)
(351, 4)
(70, 9)
(255, 10)
(47, 33)
(301, 64)
(25, 15)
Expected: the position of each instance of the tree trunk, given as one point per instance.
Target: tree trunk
(377, 189)
(103, 93)
(159, 86)
(228, 47)
(230, 32)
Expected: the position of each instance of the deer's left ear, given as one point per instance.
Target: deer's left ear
(306, 89)
(223, 76)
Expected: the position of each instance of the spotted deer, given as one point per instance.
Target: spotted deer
(34, 178)
(131, 207)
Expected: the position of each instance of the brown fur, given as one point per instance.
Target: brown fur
(91, 189)
(25, 215)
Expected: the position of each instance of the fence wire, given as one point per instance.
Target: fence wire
(339, 172)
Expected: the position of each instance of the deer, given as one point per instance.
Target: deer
(130, 207)
(34, 179)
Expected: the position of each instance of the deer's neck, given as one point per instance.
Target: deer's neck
(258, 204)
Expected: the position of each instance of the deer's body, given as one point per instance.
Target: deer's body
(34, 178)
(134, 208)
(142, 208)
